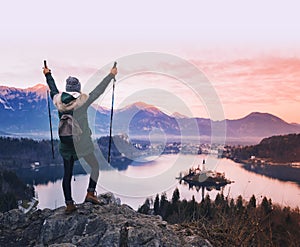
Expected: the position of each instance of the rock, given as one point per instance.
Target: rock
(194, 241)
(12, 218)
(105, 225)
(62, 245)
(110, 198)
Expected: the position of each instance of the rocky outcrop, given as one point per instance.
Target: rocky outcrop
(109, 224)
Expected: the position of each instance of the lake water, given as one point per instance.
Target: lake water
(146, 179)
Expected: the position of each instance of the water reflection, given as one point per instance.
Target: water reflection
(202, 188)
(44, 175)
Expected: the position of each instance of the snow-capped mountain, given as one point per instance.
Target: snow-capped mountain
(141, 119)
(23, 110)
(26, 111)
(22, 99)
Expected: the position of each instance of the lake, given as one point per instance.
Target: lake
(157, 175)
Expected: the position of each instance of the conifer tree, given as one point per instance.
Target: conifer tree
(156, 205)
(252, 202)
(145, 208)
(266, 205)
(176, 196)
(239, 204)
(163, 206)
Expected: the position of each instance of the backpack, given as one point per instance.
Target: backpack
(69, 130)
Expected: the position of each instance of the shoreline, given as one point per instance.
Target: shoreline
(287, 172)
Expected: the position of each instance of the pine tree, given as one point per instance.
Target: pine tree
(176, 196)
(163, 206)
(156, 205)
(219, 200)
(252, 202)
(232, 205)
(145, 208)
(207, 207)
(239, 204)
(266, 205)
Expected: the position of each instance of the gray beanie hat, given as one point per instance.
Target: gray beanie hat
(73, 84)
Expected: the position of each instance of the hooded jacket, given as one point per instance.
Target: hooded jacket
(78, 106)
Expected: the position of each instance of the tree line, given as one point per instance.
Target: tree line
(229, 222)
(279, 149)
(18, 153)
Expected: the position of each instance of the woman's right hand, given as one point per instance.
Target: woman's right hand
(46, 71)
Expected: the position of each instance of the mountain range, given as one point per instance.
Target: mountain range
(23, 112)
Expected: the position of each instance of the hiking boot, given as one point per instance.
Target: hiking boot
(70, 208)
(91, 196)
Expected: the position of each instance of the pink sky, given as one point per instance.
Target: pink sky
(249, 50)
(263, 83)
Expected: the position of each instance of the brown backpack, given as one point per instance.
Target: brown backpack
(69, 130)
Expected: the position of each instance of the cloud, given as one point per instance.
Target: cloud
(258, 80)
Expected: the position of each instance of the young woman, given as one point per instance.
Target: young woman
(75, 103)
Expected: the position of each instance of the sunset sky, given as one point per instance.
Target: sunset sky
(249, 50)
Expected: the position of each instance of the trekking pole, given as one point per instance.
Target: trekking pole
(50, 123)
(111, 116)
(49, 113)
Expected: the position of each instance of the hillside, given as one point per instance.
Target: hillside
(275, 149)
(12, 189)
(21, 153)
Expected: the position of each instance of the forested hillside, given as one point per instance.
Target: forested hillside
(278, 149)
(20, 153)
(12, 189)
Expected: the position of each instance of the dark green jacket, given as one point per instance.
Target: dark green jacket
(65, 102)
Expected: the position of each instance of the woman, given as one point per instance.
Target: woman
(76, 104)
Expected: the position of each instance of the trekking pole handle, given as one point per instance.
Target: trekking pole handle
(115, 66)
(45, 64)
